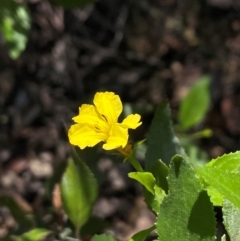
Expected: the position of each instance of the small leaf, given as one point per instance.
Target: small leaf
(228, 162)
(15, 24)
(196, 104)
(231, 217)
(78, 191)
(145, 178)
(103, 237)
(225, 182)
(160, 172)
(142, 235)
(154, 200)
(152, 193)
(224, 238)
(162, 142)
(34, 235)
(69, 4)
(186, 214)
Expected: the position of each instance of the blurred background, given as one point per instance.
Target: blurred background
(55, 55)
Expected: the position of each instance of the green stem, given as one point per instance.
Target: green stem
(135, 163)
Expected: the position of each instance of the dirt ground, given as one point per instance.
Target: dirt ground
(143, 50)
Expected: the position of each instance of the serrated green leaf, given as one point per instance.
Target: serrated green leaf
(78, 191)
(228, 162)
(162, 142)
(36, 234)
(196, 104)
(145, 178)
(215, 196)
(225, 182)
(186, 214)
(15, 24)
(231, 220)
(103, 237)
(142, 235)
(69, 4)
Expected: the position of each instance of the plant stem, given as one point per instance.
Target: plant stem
(135, 163)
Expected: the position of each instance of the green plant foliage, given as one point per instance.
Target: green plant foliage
(228, 162)
(103, 237)
(162, 143)
(154, 200)
(36, 234)
(160, 172)
(142, 235)
(15, 24)
(225, 182)
(215, 196)
(231, 217)
(196, 104)
(152, 193)
(186, 214)
(145, 178)
(78, 191)
(69, 4)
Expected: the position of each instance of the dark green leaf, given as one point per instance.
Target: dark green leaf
(231, 217)
(79, 192)
(196, 104)
(186, 214)
(160, 172)
(162, 142)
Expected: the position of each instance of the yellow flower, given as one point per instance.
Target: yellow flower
(99, 123)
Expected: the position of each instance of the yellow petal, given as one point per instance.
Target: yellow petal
(83, 136)
(88, 115)
(132, 121)
(108, 105)
(118, 136)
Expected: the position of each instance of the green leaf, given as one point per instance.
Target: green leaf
(215, 196)
(152, 193)
(231, 217)
(196, 104)
(186, 214)
(225, 182)
(145, 178)
(160, 172)
(15, 24)
(228, 162)
(69, 4)
(162, 142)
(78, 191)
(36, 234)
(154, 200)
(142, 235)
(102, 237)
